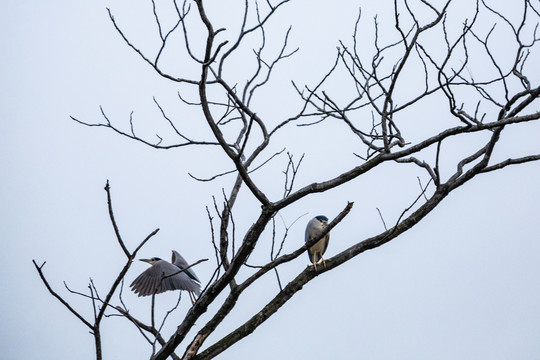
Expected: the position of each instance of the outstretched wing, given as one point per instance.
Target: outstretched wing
(160, 277)
(179, 261)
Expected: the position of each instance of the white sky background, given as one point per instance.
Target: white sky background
(464, 283)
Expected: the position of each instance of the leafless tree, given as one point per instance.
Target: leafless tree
(431, 54)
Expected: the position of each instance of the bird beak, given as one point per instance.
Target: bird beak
(145, 260)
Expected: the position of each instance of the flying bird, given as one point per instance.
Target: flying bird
(314, 228)
(164, 276)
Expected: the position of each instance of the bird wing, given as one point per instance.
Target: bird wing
(157, 279)
(181, 282)
(310, 228)
(326, 240)
(148, 282)
(179, 261)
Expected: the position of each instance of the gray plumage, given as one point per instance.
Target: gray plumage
(313, 228)
(179, 261)
(158, 279)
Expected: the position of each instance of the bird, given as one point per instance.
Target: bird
(164, 276)
(314, 228)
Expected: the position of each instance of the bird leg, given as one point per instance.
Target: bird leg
(318, 262)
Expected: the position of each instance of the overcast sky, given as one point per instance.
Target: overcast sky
(463, 284)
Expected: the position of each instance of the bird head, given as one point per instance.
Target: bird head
(323, 219)
(151, 261)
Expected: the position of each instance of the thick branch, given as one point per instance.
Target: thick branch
(215, 289)
(230, 302)
(310, 273)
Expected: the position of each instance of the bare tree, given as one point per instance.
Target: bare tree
(430, 55)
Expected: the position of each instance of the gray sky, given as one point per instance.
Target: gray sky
(462, 284)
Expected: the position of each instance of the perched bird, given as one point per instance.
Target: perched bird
(314, 228)
(163, 276)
